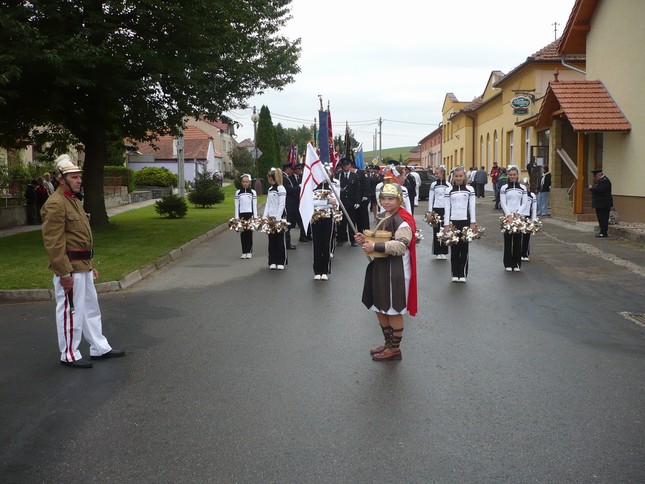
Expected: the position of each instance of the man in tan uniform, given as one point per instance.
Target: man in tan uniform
(67, 237)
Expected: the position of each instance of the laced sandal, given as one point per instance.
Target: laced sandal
(387, 333)
(393, 345)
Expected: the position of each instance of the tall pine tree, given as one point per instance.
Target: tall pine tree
(266, 143)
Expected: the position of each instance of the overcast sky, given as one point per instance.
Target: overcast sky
(398, 60)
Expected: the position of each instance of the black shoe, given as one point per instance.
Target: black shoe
(82, 363)
(340, 243)
(354, 244)
(291, 247)
(309, 238)
(109, 354)
(303, 239)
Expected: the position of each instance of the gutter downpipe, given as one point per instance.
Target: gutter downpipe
(563, 60)
(473, 140)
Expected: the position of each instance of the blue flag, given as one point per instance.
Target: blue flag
(323, 136)
(360, 161)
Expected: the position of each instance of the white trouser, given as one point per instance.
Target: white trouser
(84, 320)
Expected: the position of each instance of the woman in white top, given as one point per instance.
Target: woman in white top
(275, 207)
(460, 211)
(530, 214)
(246, 208)
(437, 203)
(512, 198)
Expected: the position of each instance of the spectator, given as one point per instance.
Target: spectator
(544, 187)
(501, 181)
(480, 179)
(30, 198)
(47, 181)
(41, 197)
(494, 176)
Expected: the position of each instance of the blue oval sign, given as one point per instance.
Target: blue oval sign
(519, 102)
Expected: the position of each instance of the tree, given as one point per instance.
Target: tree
(90, 73)
(206, 191)
(265, 141)
(243, 162)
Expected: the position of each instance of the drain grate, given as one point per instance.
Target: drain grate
(636, 318)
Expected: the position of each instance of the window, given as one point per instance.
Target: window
(487, 148)
(527, 146)
(495, 147)
(481, 150)
(511, 155)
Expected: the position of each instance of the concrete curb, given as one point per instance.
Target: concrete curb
(32, 295)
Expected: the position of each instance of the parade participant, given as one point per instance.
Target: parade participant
(350, 196)
(601, 200)
(275, 207)
(436, 203)
(67, 238)
(390, 288)
(375, 179)
(292, 188)
(530, 214)
(544, 188)
(410, 183)
(246, 208)
(322, 229)
(459, 211)
(512, 198)
(362, 212)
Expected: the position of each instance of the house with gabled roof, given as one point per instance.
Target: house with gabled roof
(599, 121)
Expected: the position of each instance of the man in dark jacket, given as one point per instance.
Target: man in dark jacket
(30, 198)
(544, 187)
(481, 178)
(350, 195)
(291, 205)
(601, 200)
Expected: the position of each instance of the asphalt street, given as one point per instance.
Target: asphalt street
(235, 373)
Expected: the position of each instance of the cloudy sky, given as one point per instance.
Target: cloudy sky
(397, 60)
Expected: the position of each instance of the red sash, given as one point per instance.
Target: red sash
(412, 289)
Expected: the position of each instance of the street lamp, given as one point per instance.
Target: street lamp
(255, 118)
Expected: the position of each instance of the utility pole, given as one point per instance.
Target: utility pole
(380, 138)
(555, 30)
(180, 162)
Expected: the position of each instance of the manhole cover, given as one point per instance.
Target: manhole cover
(636, 318)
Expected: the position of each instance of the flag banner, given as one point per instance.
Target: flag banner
(360, 161)
(312, 175)
(332, 154)
(349, 154)
(323, 136)
(292, 159)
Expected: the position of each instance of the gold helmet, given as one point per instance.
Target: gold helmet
(392, 190)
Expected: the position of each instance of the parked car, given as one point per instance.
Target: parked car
(426, 180)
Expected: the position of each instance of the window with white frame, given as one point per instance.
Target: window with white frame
(527, 145)
(511, 155)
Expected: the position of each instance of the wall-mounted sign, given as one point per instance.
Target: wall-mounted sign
(520, 104)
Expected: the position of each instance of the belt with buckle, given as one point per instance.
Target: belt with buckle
(80, 254)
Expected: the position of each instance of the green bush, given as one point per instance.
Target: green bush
(126, 174)
(171, 206)
(156, 177)
(205, 191)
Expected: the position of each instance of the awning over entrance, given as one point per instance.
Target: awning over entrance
(587, 105)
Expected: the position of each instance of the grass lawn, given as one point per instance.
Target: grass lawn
(132, 240)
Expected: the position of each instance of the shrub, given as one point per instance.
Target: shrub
(206, 191)
(172, 206)
(126, 174)
(156, 177)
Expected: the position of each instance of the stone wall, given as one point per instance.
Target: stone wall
(13, 216)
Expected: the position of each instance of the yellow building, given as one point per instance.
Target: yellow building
(599, 122)
(497, 126)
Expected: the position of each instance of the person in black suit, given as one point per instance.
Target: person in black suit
(293, 198)
(350, 196)
(362, 212)
(601, 200)
(411, 184)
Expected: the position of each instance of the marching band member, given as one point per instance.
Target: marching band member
(275, 207)
(322, 229)
(437, 203)
(460, 211)
(246, 208)
(512, 198)
(530, 213)
(390, 288)
(390, 175)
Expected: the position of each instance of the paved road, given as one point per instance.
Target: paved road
(239, 374)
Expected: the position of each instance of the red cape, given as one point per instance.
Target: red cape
(412, 289)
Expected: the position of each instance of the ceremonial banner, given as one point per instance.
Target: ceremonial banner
(292, 159)
(332, 152)
(360, 161)
(312, 175)
(323, 136)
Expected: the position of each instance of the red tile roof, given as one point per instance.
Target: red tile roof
(587, 105)
(195, 145)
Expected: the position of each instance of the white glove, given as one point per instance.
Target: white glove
(356, 205)
(364, 199)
